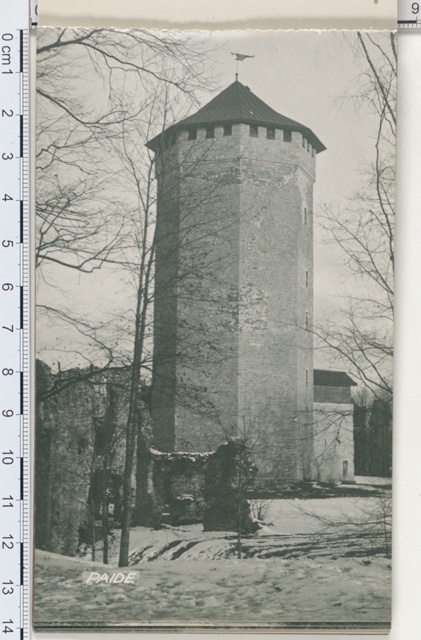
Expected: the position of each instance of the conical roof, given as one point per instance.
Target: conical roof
(237, 104)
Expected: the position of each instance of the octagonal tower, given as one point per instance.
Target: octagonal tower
(234, 283)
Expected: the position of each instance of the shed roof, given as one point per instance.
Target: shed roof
(238, 104)
(328, 378)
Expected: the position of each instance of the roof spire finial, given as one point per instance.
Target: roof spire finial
(239, 57)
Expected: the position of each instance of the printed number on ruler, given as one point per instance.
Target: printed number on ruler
(11, 152)
(409, 14)
(14, 320)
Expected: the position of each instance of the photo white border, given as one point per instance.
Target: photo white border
(217, 14)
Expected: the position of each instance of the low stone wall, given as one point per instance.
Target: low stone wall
(187, 488)
(229, 476)
(171, 488)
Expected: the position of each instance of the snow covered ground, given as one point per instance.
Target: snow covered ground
(288, 574)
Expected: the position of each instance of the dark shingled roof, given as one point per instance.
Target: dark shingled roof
(237, 104)
(326, 378)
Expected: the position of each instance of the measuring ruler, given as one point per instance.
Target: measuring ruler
(17, 16)
(409, 14)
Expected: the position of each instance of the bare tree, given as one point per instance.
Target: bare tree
(366, 531)
(359, 335)
(373, 434)
(138, 177)
(89, 83)
(138, 262)
(92, 219)
(78, 453)
(96, 201)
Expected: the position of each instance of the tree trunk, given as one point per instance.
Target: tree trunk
(133, 419)
(239, 500)
(127, 492)
(93, 525)
(131, 430)
(104, 518)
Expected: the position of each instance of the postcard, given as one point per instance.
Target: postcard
(214, 376)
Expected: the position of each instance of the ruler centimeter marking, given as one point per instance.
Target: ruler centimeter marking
(15, 353)
(409, 14)
(34, 14)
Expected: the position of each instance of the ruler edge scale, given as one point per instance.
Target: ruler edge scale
(26, 345)
(27, 304)
(408, 14)
(31, 52)
(22, 19)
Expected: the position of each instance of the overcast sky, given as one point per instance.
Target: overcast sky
(304, 75)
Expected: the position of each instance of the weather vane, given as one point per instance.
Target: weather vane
(239, 57)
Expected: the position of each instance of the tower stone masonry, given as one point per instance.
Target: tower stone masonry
(233, 353)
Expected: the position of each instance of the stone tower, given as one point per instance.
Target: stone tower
(234, 283)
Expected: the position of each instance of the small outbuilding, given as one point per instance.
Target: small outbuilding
(333, 433)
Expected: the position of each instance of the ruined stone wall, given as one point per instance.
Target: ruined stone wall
(333, 431)
(239, 219)
(73, 447)
(64, 463)
(171, 488)
(185, 488)
(75, 411)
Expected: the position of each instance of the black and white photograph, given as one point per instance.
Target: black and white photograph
(214, 329)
